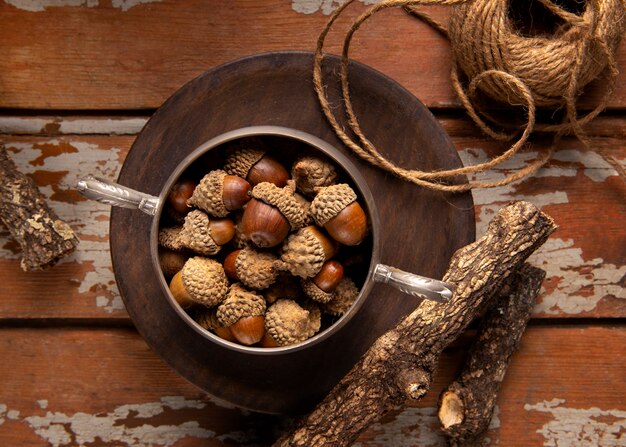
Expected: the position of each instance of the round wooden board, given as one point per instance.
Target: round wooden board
(420, 229)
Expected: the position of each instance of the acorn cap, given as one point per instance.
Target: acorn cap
(255, 269)
(288, 323)
(311, 173)
(207, 318)
(208, 195)
(329, 202)
(283, 199)
(239, 303)
(311, 290)
(306, 207)
(196, 234)
(302, 254)
(169, 238)
(343, 296)
(205, 280)
(240, 162)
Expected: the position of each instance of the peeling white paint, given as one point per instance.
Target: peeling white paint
(325, 6)
(560, 259)
(60, 429)
(89, 219)
(12, 125)
(3, 412)
(574, 427)
(43, 403)
(42, 5)
(580, 282)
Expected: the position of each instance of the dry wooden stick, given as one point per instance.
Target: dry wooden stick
(400, 364)
(466, 406)
(43, 237)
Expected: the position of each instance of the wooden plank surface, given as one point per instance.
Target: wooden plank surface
(86, 386)
(133, 54)
(585, 261)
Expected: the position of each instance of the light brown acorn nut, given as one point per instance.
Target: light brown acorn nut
(305, 251)
(229, 265)
(179, 194)
(335, 208)
(207, 318)
(242, 311)
(271, 214)
(202, 281)
(263, 224)
(249, 330)
(329, 276)
(343, 297)
(219, 193)
(287, 323)
(256, 166)
(312, 291)
(311, 172)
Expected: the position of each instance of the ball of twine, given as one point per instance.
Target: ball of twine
(544, 71)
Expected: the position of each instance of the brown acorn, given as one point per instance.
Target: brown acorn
(179, 194)
(311, 172)
(203, 234)
(343, 297)
(219, 193)
(272, 214)
(335, 208)
(305, 252)
(254, 269)
(207, 318)
(171, 262)
(329, 276)
(264, 225)
(256, 167)
(242, 312)
(202, 281)
(287, 322)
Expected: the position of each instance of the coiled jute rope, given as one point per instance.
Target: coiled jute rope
(538, 71)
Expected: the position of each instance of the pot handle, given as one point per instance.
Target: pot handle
(111, 193)
(413, 284)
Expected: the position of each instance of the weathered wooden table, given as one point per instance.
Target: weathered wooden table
(78, 80)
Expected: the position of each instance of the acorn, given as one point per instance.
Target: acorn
(169, 238)
(202, 281)
(287, 323)
(320, 287)
(207, 318)
(335, 208)
(304, 252)
(311, 173)
(271, 214)
(254, 269)
(256, 167)
(219, 193)
(205, 235)
(242, 312)
(181, 191)
(343, 297)
(171, 262)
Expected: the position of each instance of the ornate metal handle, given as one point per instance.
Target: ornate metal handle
(111, 193)
(412, 284)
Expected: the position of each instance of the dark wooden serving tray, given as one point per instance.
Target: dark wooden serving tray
(420, 229)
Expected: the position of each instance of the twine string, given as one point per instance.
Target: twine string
(493, 75)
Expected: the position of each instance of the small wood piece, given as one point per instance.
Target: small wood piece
(466, 406)
(43, 237)
(400, 364)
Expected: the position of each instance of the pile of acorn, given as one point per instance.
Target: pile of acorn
(250, 249)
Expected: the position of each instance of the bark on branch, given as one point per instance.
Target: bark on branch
(466, 406)
(43, 237)
(400, 364)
